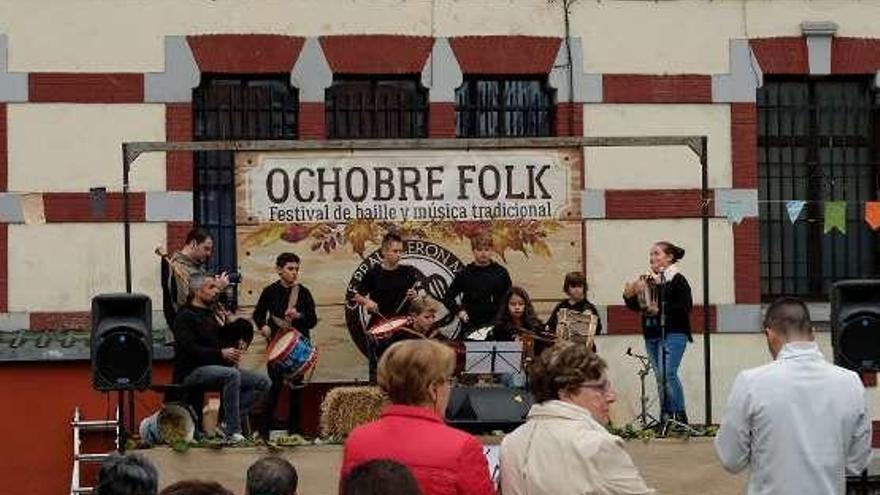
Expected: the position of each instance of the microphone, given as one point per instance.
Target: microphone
(629, 351)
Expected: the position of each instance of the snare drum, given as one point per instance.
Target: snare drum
(390, 327)
(292, 355)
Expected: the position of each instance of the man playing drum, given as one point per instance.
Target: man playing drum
(284, 304)
(386, 288)
(201, 359)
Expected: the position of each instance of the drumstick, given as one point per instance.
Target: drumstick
(403, 302)
(379, 314)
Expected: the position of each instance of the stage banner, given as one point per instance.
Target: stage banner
(333, 207)
(406, 187)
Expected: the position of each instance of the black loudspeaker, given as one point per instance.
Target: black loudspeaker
(483, 409)
(855, 324)
(122, 342)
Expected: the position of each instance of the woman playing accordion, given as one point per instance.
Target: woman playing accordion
(663, 297)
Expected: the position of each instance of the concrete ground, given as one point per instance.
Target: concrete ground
(671, 466)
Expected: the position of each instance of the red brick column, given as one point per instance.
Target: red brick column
(179, 164)
(747, 261)
(569, 119)
(176, 234)
(441, 120)
(312, 122)
(744, 144)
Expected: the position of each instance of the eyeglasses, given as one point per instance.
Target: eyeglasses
(604, 386)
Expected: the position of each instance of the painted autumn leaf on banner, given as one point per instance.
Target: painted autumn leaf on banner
(360, 232)
(265, 235)
(522, 236)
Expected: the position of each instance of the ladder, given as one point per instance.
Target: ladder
(81, 426)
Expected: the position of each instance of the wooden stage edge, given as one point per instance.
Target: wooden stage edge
(672, 466)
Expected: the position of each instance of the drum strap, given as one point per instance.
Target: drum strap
(291, 304)
(294, 296)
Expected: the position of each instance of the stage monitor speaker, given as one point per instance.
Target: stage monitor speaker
(122, 342)
(487, 408)
(855, 324)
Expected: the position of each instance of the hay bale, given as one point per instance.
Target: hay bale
(346, 408)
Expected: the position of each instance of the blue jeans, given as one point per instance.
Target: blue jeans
(673, 399)
(240, 390)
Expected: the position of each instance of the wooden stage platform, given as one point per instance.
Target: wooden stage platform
(672, 466)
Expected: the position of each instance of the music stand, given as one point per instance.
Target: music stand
(493, 357)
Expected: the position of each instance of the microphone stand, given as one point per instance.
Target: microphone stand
(664, 392)
(643, 396)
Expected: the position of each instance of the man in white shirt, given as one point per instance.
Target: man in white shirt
(798, 422)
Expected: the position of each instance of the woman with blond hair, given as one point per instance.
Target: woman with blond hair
(564, 448)
(416, 375)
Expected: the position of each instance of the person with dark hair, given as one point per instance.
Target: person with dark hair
(481, 284)
(663, 296)
(515, 314)
(575, 287)
(271, 475)
(204, 358)
(516, 320)
(386, 288)
(416, 375)
(128, 474)
(196, 487)
(380, 477)
(799, 423)
(284, 304)
(184, 264)
(564, 448)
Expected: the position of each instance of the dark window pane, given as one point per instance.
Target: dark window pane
(376, 108)
(815, 143)
(233, 108)
(504, 108)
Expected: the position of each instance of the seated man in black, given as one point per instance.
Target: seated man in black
(285, 303)
(204, 358)
(386, 288)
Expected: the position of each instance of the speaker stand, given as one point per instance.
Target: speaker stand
(121, 432)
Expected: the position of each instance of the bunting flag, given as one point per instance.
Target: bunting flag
(872, 214)
(794, 208)
(835, 216)
(734, 209)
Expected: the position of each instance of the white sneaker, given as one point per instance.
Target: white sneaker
(235, 438)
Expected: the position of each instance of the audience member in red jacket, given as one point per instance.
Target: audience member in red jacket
(416, 376)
